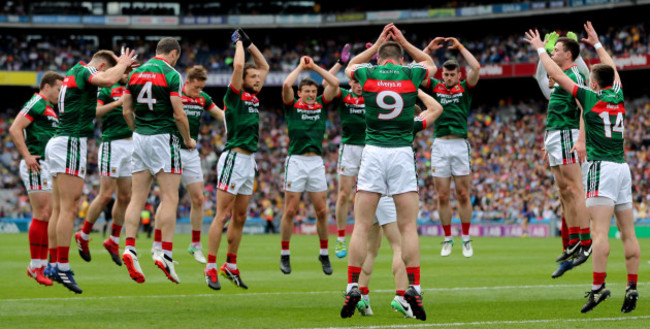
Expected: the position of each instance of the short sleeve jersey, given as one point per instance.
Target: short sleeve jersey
(194, 108)
(456, 102)
(151, 86)
(77, 102)
(306, 123)
(43, 124)
(352, 112)
(242, 119)
(390, 92)
(419, 124)
(114, 126)
(604, 117)
(563, 112)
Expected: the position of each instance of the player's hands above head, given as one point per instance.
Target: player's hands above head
(397, 36)
(435, 44)
(551, 39)
(190, 144)
(127, 58)
(345, 53)
(592, 36)
(240, 35)
(385, 34)
(32, 163)
(306, 62)
(455, 44)
(572, 35)
(533, 38)
(368, 45)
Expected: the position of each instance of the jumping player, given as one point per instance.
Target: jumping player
(66, 153)
(31, 130)
(387, 163)
(115, 170)
(304, 168)
(609, 183)
(236, 167)
(153, 109)
(450, 151)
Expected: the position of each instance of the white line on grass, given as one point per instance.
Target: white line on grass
(295, 293)
(492, 323)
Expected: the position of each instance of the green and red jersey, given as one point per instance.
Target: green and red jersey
(44, 122)
(194, 108)
(390, 92)
(151, 86)
(563, 112)
(604, 117)
(242, 119)
(114, 126)
(352, 112)
(306, 123)
(77, 102)
(456, 102)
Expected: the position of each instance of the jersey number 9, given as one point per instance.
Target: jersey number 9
(396, 108)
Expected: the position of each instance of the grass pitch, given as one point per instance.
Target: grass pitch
(506, 284)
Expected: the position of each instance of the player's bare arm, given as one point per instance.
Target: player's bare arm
(605, 58)
(554, 71)
(216, 112)
(16, 132)
(111, 76)
(287, 86)
(128, 112)
(418, 55)
(102, 110)
(343, 59)
(181, 122)
(259, 60)
(237, 78)
(433, 108)
(332, 87)
(474, 70)
(366, 55)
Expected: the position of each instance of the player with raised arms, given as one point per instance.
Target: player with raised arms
(236, 167)
(450, 150)
(66, 153)
(609, 182)
(387, 163)
(304, 170)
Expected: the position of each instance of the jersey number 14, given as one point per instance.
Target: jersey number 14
(607, 123)
(145, 96)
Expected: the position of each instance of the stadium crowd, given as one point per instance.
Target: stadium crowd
(31, 53)
(510, 179)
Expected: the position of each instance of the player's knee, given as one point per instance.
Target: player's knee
(197, 201)
(290, 213)
(443, 198)
(321, 213)
(44, 211)
(124, 198)
(344, 195)
(462, 197)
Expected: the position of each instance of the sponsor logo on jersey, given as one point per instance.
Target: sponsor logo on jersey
(116, 93)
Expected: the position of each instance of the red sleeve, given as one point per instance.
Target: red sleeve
(29, 117)
(233, 89)
(174, 93)
(574, 93)
(424, 121)
(126, 91)
(100, 102)
(325, 101)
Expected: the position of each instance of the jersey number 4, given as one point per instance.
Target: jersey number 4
(396, 108)
(145, 96)
(607, 123)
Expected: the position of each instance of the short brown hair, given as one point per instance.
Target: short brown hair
(197, 72)
(570, 45)
(451, 65)
(307, 82)
(603, 75)
(105, 56)
(167, 45)
(247, 67)
(390, 50)
(49, 78)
